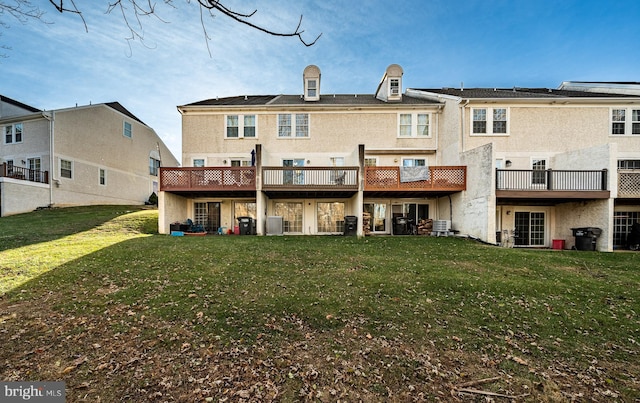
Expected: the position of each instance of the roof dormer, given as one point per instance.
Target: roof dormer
(390, 87)
(311, 82)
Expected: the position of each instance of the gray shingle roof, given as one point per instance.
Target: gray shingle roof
(331, 99)
(517, 92)
(347, 99)
(237, 100)
(19, 104)
(118, 107)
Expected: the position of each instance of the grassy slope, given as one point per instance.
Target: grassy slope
(125, 315)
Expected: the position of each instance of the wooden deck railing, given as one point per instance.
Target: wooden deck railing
(207, 178)
(311, 178)
(437, 178)
(26, 174)
(565, 180)
(629, 183)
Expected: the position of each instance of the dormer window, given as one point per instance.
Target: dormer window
(394, 87)
(390, 87)
(311, 82)
(312, 89)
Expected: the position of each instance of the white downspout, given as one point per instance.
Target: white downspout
(52, 177)
(437, 125)
(463, 117)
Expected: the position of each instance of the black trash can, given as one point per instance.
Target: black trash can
(350, 225)
(245, 225)
(586, 237)
(400, 225)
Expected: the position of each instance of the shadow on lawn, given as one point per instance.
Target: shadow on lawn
(50, 224)
(305, 313)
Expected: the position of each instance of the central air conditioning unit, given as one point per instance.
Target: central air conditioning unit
(441, 227)
(274, 225)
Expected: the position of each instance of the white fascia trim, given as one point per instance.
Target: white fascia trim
(432, 96)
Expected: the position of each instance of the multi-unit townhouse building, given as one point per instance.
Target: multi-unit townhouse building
(512, 166)
(84, 155)
(545, 161)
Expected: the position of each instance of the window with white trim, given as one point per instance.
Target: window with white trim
(127, 130)
(337, 161)
(628, 164)
(293, 124)
(240, 163)
(539, 171)
(414, 125)
(66, 169)
(312, 89)
(621, 124)
(154, 166)
(13, 133)
(240, 126)
(371, 161)
(198, 162)
(489, 121)
(394, 87)
(414, 162)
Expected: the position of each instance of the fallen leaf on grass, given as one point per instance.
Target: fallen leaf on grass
(76, 363)
(517, 360)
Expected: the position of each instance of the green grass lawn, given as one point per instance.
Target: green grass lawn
(94, 297)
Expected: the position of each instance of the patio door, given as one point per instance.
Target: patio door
(539, 173)
(34, 169)
(378, 213)
(293, 176)
(208, 215)
(529, 228)
(291, 213)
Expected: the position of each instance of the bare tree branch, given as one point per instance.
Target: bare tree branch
(74, 10)
(22, 10)
(133, 11)
(243, 19)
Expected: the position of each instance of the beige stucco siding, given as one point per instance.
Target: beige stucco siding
(19, 196)
(331, 134)
(92, 139)
(97, 135)
(551, 129)
(35, 144)
(544, 129)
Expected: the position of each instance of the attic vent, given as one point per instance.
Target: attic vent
(246, 98)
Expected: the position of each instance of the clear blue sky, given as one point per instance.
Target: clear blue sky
(439, 43)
